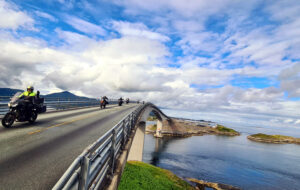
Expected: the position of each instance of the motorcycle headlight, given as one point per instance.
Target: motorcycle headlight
(9, 104)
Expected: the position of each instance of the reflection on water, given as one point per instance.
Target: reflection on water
(160, 146)
(230, 160)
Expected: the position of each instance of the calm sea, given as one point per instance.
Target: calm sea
(231, 160)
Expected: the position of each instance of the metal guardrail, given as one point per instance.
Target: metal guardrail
(96, 162)
(54, 104)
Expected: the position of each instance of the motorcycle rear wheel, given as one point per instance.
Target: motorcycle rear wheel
(33, 117)
(8, 120)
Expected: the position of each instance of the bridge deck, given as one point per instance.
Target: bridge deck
(35, 156)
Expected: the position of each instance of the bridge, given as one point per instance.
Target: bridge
(82, 148)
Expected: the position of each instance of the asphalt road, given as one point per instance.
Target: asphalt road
(35, 156)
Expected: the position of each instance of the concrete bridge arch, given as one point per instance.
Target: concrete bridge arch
(161, 117)
(136, 150)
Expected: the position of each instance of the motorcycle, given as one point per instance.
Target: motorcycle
(103, 104)
(23, 109)
(120, 102)
(127, 101)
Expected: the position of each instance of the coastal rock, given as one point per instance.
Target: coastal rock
(200, 184)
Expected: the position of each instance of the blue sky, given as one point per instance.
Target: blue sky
(216, 56)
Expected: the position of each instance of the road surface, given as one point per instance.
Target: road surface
(35, 156)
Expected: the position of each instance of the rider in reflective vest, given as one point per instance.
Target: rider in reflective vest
(29, 98)
(29, 92)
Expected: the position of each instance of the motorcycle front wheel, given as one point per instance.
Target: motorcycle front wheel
(33, 117)
(8, 120)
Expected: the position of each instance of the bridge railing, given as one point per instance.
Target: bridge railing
(54, 104)
(97, 162)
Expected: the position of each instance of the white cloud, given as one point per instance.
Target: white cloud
(136, 64)
(67, 4)
(288, 121)
(290, 80)
(137, 29)
(269, 94)
(200, 41)
(119, 67)
(188, 25)
(85, 26)
(12, 18)
(285, 10)
(46, 15)
(73, 41)
(93, 65)
(188, 8)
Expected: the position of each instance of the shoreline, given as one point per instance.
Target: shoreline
(201, 184)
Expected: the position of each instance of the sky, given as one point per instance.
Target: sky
(230, 60)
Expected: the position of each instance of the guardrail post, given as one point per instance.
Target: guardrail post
(113, 149)
(68, 103)
(125, 134)
(131, 121)
(134, 118)
(84, 173)
(58, 107)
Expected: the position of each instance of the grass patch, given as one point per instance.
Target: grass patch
(139, 175)
(225, 129)
(274, 137)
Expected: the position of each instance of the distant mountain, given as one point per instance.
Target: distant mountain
(9, 91)
(65, 94)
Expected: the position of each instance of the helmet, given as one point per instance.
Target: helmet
(30, 88)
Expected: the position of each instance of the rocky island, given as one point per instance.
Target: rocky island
(182, 127)
(277, 139)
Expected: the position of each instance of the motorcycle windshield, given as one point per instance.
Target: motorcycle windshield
(15, 97)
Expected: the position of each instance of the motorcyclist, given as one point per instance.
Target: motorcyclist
(29, 96)
(120, 101)
(104, 98)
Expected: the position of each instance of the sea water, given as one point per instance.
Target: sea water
(230, 160)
